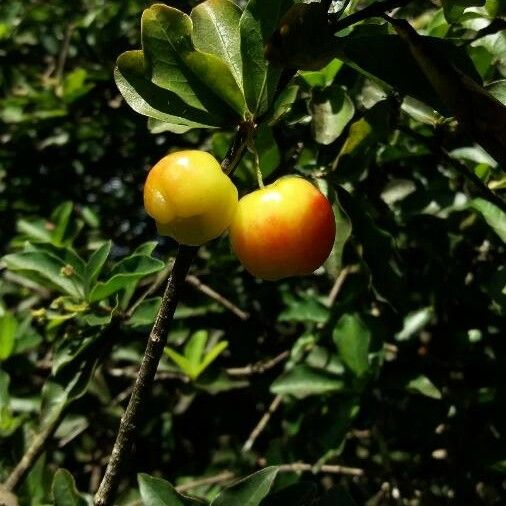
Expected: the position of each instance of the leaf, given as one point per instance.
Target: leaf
(158, 492)
(145, 312)
(414, 322)
(125, 273)
(331, 110)
(8, 330)
(282, 104)
(260, 78)
(302, 381)
(352, 338)
(194, 348)
(176, 65)
(211, 356)
(249, 491)
(423, 385)
(46, 269)
(64, 490)
(96, 263)
(324, 77)
(60, 217)
(181, 361)
(216, 31)
(155, 102)
(304, 309)
(494, 216)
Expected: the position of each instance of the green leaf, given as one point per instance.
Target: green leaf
(61, 217)
(331, 110)
(249, 491)
(125, 273)
(304, 309)
(46, 269)
(8, 330)
(96, 263)
(194, 348)
(182, 362)
(211, 356)
(352, 338)
(423, 385)
(494, 216)
(176, 65)
(158, 492)
(155, 102)
(324, 77)
(216, 31)
(64, 490)
(260, 78)
(414, 322)
(145, 312)
(302, 381)
(282, 104)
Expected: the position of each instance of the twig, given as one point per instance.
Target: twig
(374, 10)
(481, 188)
(156, 343)
(223, 477)
(300, 467)
(62, 57)
(258, 367)
(160, 375)
(213, 294)
(262, 423)
(147, 370)
(33, 452)
(338, 284)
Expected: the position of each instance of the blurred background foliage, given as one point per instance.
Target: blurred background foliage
(389, 361)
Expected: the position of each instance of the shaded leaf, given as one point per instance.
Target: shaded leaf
(331, 110)
(302, 381)
(423, 385)
(64, 490)
(494, 216)
(249, 491)
(158, 492)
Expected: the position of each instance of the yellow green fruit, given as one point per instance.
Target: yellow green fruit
(190, 198)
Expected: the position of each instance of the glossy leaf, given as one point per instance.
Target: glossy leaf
(175, 64)
(302, 381)
(124, 274)
(158, 492)
(216, 31)
(494, 216)
(96, 263)
(424, 386)
(249, 491)
(352, 338)
(8, 330)
(331, 110)
(258, 22)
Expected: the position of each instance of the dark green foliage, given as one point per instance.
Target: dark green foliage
(389, 360)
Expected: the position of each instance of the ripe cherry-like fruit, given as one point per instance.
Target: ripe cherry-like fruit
(189, 197)
(285, 229)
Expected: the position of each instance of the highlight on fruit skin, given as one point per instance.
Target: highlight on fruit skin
(190, 198)
(285, 229)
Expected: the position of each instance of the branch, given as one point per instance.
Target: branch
(207, 290)
(154, 350)
(156, 343)
(376, 9)
(297, 467)
(262, 423)
(31, 455)
(258, 367)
